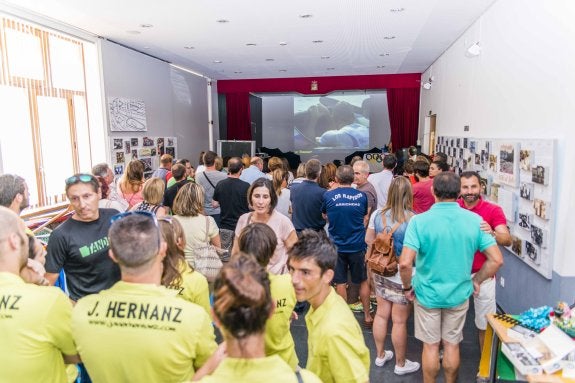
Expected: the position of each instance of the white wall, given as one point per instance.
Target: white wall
(520, 86)
(176, 101)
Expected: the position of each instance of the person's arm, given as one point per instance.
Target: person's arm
(216, 241)
(212, 363)
(290, 240)
(51, 277)
(236, 245)
(405, 270)
(500, 233)
(369, 236)
(492, 264)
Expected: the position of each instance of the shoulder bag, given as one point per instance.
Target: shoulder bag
(206, 258)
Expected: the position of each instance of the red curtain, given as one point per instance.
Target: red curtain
(238, 116)
(403, 106)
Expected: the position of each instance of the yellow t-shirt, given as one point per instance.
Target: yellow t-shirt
(268, 369)
(278, 336)
(34, 331)
(141, 333)
(194, 287)
(336, 348)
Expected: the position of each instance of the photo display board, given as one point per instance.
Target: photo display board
(146, 149)
(516, 174)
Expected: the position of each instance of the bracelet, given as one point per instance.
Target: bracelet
(407, 289)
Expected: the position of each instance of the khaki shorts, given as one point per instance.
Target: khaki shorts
(485, 303)
(433, 325)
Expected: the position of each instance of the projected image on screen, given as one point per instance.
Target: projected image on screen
(330, 122)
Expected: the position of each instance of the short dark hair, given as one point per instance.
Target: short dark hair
(78, 178)
(134, 229)
(210, 158)
(446, 185)
(470, 173)
(312, 169)
(266, 183)
(10, 186)
(184, 161)
(389, 161)
(179, 172)
(235, 165)
(316, 245)
(421, 168)
(344, 174)
(442, 156)
(441, 165)
(259, 240)
(412, 150)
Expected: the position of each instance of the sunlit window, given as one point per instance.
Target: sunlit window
(51, 122)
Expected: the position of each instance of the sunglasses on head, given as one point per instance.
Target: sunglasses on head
(79, 178)
(125, 214)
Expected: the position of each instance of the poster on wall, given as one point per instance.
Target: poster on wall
(145, 149)
(127, 115)
(508, 168)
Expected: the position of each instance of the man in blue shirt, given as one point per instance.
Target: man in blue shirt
(443, 242)
(254, 172)
(307, 198)
(346, 211)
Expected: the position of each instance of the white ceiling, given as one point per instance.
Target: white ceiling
(357, 36)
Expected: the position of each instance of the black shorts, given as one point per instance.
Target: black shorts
(355, 263)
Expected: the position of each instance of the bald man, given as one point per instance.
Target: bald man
(34, 321)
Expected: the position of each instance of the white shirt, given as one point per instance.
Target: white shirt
(381, 182)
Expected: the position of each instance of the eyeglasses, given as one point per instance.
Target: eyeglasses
(79, 178)
(144, 213)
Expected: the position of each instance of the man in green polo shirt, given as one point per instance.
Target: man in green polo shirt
(336, 348)
(443, 241)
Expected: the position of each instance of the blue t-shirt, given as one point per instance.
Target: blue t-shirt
(445, 238)
(306, 201)
(345, 208)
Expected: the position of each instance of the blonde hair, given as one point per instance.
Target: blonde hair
(399, 200)
(278, 177)
(219, 163)
(189, 201)
(153, 191)
(275, 163)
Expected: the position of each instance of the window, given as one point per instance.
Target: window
(50, 108)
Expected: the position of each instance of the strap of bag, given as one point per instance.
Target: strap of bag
(207, 228)
(204, 173)
(384, 221)
(299, 378)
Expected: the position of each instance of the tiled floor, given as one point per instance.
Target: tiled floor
(469, 352)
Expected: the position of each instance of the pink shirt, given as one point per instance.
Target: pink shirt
(494, 216)
(422, 196)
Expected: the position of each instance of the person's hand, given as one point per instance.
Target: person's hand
(293, 316)
(409, 295)
(486, 227)
(34, 272)
(476, 287)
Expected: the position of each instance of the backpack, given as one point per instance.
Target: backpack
(381, 257)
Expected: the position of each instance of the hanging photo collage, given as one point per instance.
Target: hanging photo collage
(146, 149)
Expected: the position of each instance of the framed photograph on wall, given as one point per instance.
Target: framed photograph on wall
(508, 165)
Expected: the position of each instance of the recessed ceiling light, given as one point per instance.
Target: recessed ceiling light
(188, 47)
(380, 66)
(133, 32)
(388, 37)
(329, 68)
(270, 59)
(397, 9)
(282, 70)
(146, 47)
(223, 21)
(146, 25)
(283, 43)
(217, 61)
(324, 57)
(305, 16)
(251, 44)
(384, 54)
(317, 41)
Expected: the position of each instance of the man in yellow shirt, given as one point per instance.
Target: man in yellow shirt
(137, 330)
(336, 348)
(34, 321)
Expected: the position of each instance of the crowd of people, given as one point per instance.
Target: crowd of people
(131, 306)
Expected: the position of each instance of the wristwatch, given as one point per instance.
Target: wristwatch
(407, 289)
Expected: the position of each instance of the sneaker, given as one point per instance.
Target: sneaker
(407, 368)
(356, 307)
(379, 362)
